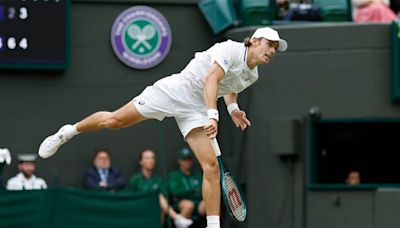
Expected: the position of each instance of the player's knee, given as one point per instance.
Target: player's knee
(211, 170)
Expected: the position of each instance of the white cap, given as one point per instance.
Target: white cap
(27, 157)
(270, 34)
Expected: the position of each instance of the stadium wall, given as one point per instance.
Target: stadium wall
(344, 69)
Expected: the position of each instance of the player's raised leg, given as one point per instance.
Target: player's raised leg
(201, 146)
(123, 117)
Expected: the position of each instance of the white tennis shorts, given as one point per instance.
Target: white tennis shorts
(166, 99)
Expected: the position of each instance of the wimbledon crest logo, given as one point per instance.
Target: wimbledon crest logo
(141, 37)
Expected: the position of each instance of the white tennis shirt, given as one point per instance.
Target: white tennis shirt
(188, 86)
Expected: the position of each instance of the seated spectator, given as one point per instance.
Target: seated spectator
(146, 181)
(185, 186)
(303, 11)
(373, 11)
(101, 176)
(5, 158)
(25, 179)
(353, 178)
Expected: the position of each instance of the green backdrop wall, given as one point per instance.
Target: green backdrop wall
(343, 68)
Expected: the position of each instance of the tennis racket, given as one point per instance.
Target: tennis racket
(232, 194)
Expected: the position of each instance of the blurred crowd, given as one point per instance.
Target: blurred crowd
(384, 11)
(179, 193)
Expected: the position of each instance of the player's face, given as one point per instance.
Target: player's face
(265, 50)
(148, 160)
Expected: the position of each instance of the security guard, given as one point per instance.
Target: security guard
(185, 186)
(146, 181)
(25, 179)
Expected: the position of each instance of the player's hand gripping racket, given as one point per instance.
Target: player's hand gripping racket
(232, 194)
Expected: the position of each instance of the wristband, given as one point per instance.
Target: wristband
(232, 107)
(213, 114)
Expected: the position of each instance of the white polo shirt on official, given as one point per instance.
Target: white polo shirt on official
(20, 182)
(182, 95)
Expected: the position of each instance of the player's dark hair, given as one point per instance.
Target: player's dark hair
(247, 42)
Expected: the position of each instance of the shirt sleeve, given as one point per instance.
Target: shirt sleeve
(223, 54)
(13, 184)
(116, 180)
(43, 184)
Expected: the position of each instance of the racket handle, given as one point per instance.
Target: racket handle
(215, 146)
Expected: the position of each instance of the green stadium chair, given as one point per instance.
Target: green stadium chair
(258, 12)
(335, 10)
(220, 14)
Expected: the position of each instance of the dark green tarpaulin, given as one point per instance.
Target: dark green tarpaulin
(75, 208)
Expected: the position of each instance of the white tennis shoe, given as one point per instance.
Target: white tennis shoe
(51, 144)
(182, 222)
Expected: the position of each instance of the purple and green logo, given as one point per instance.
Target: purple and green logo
(141, 37)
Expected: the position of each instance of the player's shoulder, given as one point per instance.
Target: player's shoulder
(230, 44)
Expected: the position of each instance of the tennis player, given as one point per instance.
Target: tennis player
(224, 70)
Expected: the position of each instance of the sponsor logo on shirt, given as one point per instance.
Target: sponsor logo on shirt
(195, 182)
(155, 186)
(139, 102)
(141, 37)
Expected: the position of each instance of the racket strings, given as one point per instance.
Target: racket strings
(235, 200)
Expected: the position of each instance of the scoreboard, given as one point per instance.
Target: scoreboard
(34, 34)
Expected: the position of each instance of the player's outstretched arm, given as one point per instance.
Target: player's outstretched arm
(214, 75)
(239, 117)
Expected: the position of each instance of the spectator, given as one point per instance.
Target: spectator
(353, 178)
(146, 181)
(101, 176)
(25, 179)
(373, 11)
(5, 158)
(186, 186)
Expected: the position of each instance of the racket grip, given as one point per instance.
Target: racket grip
(215, 146)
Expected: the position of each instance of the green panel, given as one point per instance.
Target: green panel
(25, 208)
(258, 12)
(220, 14)
(60, 208)
(82, 208)
(335, 10)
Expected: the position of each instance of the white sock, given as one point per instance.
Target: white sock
(74, 130)
(213, 221)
